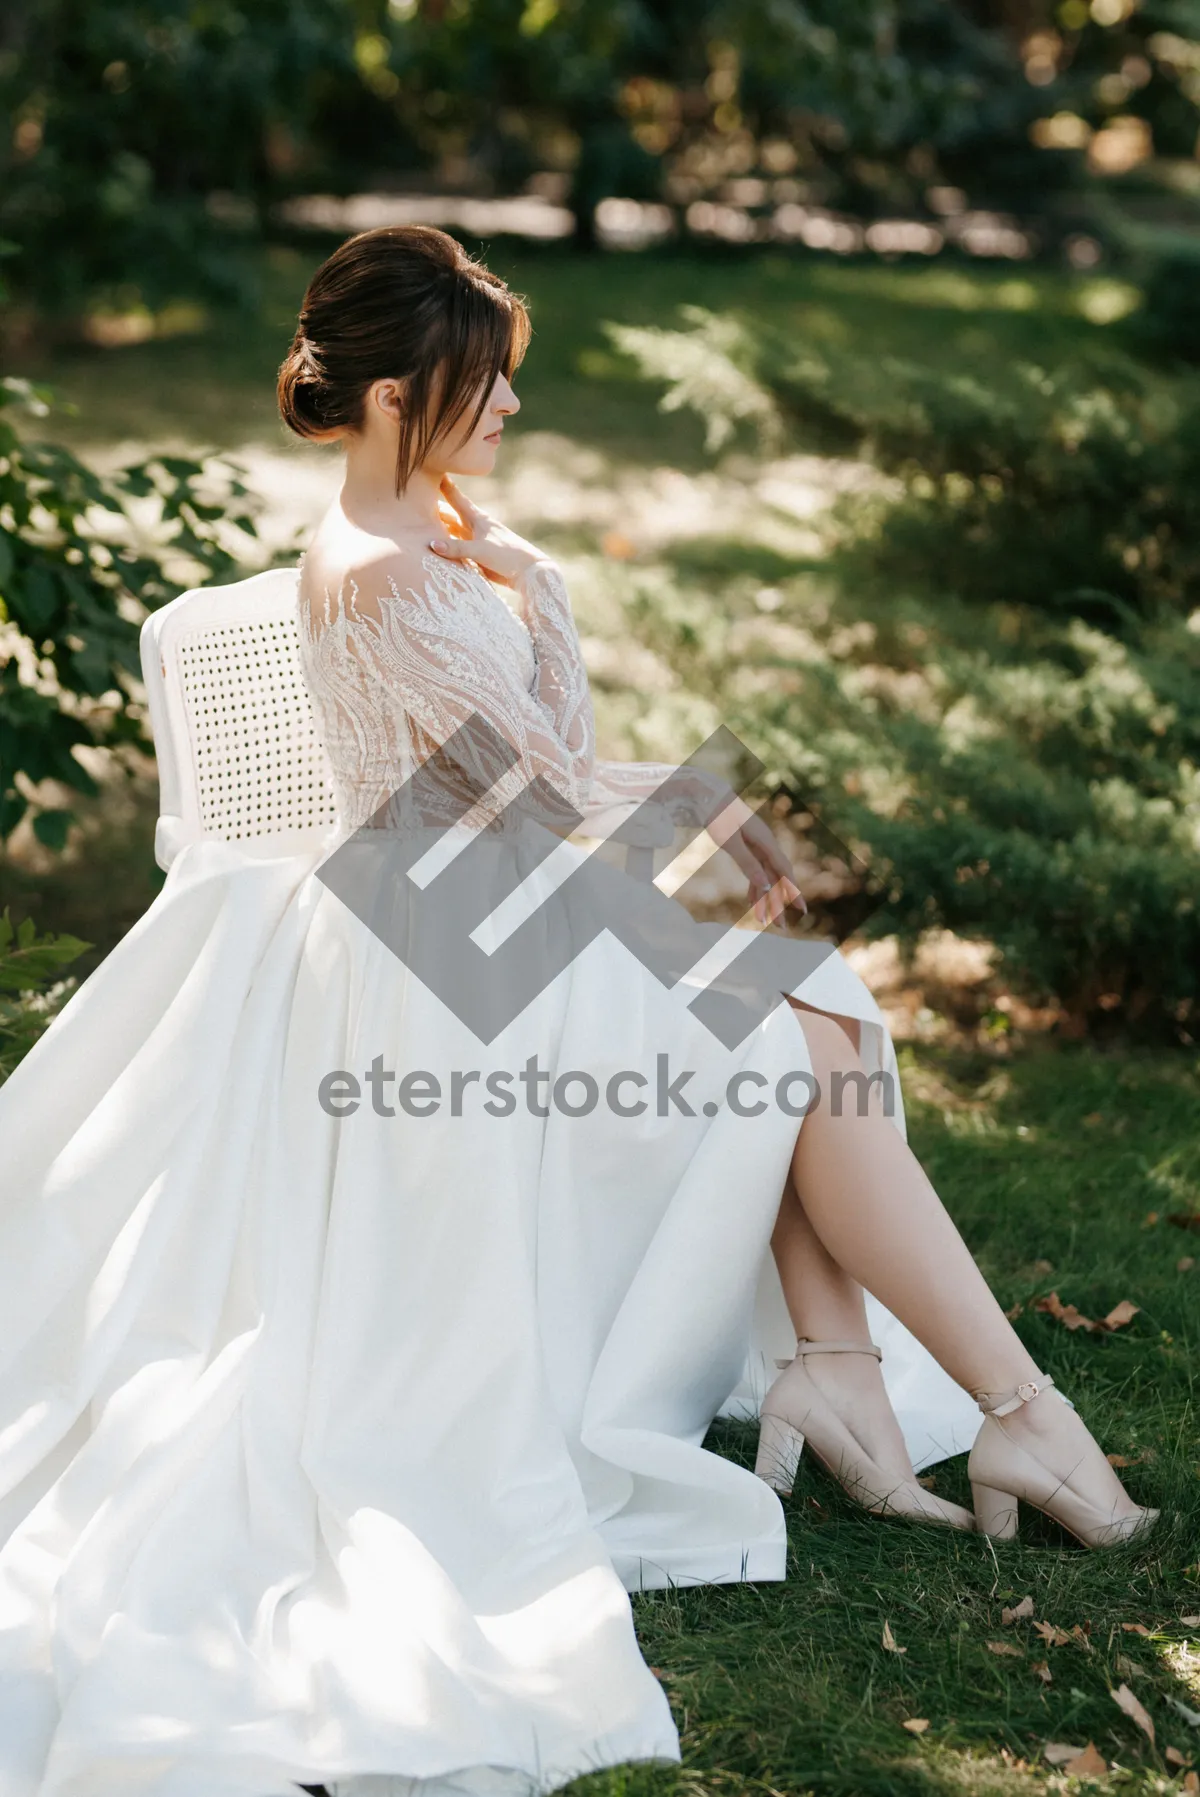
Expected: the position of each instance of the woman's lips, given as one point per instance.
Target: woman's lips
(494, 436)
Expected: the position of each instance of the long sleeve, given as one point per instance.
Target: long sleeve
(689, 796)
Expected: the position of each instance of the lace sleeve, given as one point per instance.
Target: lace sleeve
(423, 675)
(692, 796)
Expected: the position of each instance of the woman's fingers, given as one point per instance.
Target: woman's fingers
(457, 549)
(466, 507)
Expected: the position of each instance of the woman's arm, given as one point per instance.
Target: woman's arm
(694, 796)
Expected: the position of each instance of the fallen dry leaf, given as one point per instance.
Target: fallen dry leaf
(1072, 1318)
(928, 1481)
(1190, 1622)
(1058, 1752)
(1043, 1672)
(1150, 1219)
(1125, 1459)
(1081, 1636)
(1052, 1636)
(1185, 1219)
(1185, 1263)
(1019, 1612)
(1015, 1312)
(1119, 1315)
(889, 1640)
(1191, 1717)
(1125, 1667)
(916, 1725)
(1135, 1628)
(1007, 1647)
(1043, 1266)
(1125, 1700)
(1173, 1757)
(1094, 1117)
(1088, 1764)
(1191, 1785)
(1066, 1314)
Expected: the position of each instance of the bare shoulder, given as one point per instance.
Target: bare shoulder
(363, 584)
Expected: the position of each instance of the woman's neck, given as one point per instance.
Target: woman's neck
(369, 498)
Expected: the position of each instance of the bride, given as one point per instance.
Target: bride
(341, 1405)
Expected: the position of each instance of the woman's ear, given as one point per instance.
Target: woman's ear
(388, 397)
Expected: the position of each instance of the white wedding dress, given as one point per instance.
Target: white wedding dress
(330, 1446)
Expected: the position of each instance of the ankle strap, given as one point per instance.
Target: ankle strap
(1003, 1403)
(804, 1346)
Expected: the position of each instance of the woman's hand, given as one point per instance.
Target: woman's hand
(474, 535)
(748, 839)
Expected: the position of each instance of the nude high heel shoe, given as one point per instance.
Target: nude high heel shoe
(1002, 1471)
(795, 1410)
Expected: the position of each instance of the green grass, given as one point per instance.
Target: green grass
(787, 1688)
(215, 384)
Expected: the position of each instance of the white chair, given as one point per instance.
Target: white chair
(239, 757)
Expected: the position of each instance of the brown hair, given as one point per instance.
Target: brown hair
(404, 302)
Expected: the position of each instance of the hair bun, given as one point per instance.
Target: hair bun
(303, 389)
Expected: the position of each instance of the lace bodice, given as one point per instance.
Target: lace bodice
(395, 674)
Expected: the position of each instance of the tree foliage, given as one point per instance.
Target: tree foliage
(31, 986)
(142, 133)
(80, 564)
(128, 117)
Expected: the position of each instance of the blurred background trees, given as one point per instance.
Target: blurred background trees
(148, 139)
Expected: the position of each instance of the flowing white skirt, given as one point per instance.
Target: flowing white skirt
(331, 1447)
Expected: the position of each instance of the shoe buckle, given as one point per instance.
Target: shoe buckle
(1027, 1390)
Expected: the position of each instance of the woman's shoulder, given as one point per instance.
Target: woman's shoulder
(362, 580)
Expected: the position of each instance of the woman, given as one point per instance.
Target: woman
(336, 1421)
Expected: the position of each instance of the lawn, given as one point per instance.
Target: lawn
(1062, 1168)
(700, 583)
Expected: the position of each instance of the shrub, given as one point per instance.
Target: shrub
(30, 992)
(992, 683)
(77, 573)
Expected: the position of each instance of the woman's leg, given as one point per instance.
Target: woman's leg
(826, 1304)
(879, 1221)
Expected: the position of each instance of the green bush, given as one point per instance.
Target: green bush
(991, 680)
(1075, 490)
(77, 573)
(30, 990)
(1168, 321)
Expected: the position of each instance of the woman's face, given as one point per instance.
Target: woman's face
(476, 453)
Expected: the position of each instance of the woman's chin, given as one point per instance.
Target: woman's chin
(480, 461)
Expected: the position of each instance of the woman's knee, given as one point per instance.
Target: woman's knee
(829, 1046)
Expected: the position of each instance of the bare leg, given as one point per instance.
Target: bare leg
(871, 1207)
(826, 1304)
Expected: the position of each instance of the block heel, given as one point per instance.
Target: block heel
(1002, 1471)
(995, 1512)
(795, 1410)
(779, 1448)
